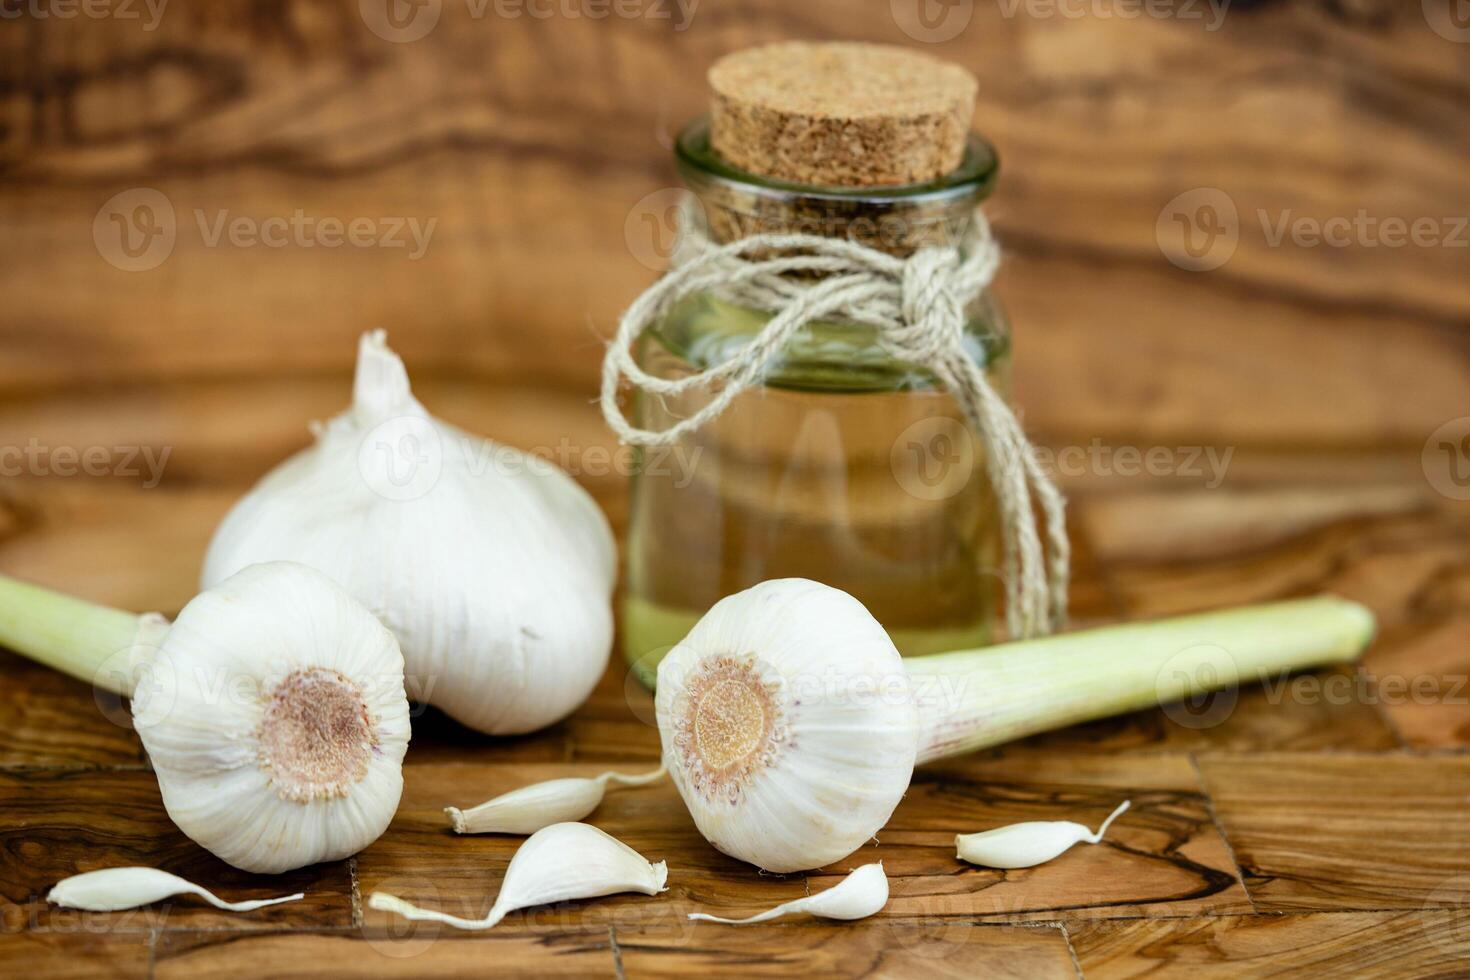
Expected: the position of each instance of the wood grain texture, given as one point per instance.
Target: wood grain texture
(1317, 831)
(1354, 944)
(566, 953)
(938, 948)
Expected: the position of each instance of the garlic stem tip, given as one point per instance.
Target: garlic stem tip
(456, 819)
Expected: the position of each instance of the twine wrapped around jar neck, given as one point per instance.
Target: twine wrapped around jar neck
(917, 306)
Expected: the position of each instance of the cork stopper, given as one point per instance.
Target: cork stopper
(840, 114)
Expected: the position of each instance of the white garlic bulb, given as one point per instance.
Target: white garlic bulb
(787, 724)
(531, 808)
(561, 863)
(276, 720)
(790, 725)
(491, 566)
(272, 709)
(1025, 845)
(117, 889)
(862, 893)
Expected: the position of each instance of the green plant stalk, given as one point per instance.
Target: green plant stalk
(974, 699)
(71, 635)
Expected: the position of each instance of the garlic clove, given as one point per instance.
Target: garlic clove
(1025, 845)
(116, 889)
(532, 808)
(859, 895)
(561, 863)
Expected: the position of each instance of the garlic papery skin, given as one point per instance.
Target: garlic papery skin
(272, 709)
(787, 724)
(561, 863)
(859, 895)
(1025, 845)
(117, 889)
(492, 567)
(532, 808)
(790, 726)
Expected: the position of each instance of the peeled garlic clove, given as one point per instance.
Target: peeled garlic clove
(859, 895)
(492, 567)
(532, 808)
(1025, 845)
(116, 889)
(560, 863)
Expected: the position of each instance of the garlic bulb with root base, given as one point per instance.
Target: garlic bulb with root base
(531, 808)
(859, 895)
(1025, 845)
(117, 889)
(491, 566)
(561, 863)
(272, 709)
(790, 725)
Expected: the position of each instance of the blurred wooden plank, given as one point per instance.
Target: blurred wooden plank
(869, 948)
(570, 953)
(49, 719)
(532, 167)
(1356, 944)
(73, 955)
(1324, 831)
(60, 823)
(1422, 682)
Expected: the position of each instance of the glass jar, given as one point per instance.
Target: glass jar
(845, 466)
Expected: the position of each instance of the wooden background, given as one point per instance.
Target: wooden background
(1294, 836)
